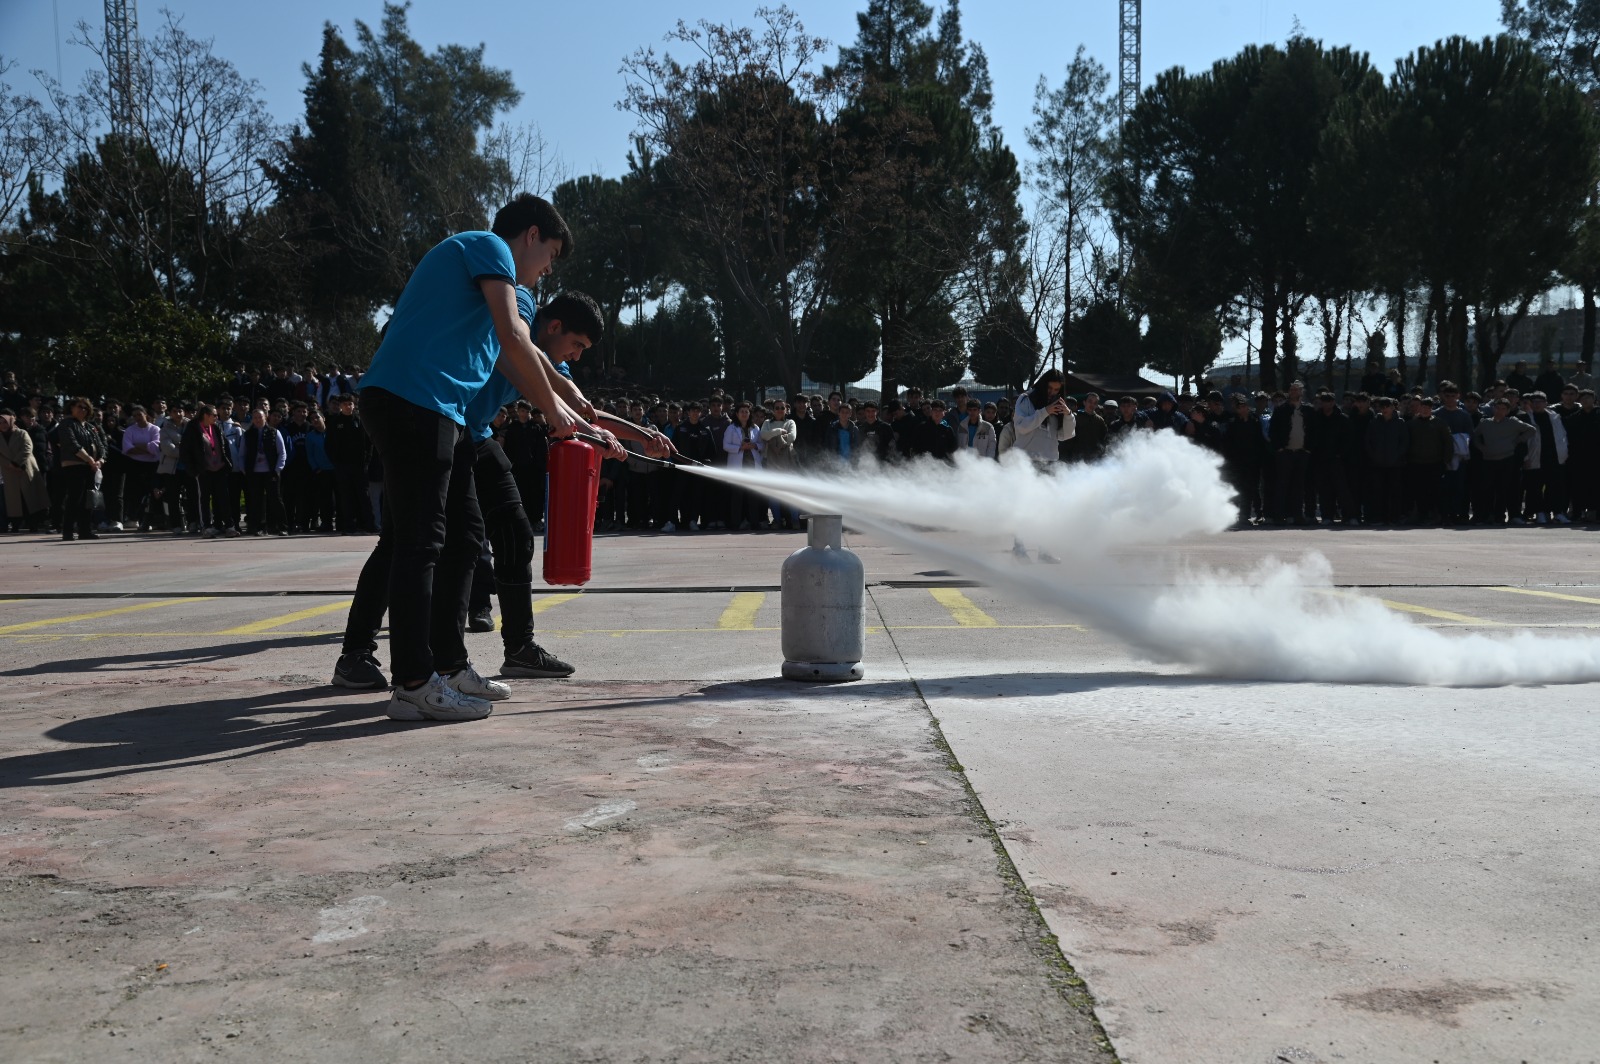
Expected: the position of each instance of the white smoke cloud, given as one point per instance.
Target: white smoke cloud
(1278, 621)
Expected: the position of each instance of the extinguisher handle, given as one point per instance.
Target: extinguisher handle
(595, 441)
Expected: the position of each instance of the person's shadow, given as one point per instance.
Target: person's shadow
(210, 728)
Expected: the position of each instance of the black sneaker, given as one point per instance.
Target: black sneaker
(480, 621)
(360, 671)
(536, 662)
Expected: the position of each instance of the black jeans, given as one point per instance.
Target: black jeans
(512, 538)
(421, 569)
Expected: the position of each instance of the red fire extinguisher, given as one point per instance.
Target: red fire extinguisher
(572, 486)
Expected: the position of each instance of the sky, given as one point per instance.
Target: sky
(566, 57)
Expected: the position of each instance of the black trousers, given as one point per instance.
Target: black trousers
(1383, 495)
(421, 569)
(112, 484)
(1289, 496)
(264, 502)
(351, 490)
(76, 483)
(214, 499)
(1333, 489)
(1501, 495)
(512, 539)
(1582, 475)
(136, 487)
(1545, 489)
(1424, 483)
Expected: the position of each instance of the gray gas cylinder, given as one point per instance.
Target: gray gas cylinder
(824, 606)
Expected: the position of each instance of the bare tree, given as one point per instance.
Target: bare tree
(1071, 139)
(26, 144)
(529, 163)
(178, 192)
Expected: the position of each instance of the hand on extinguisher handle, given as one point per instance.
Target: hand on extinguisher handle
(607, 444)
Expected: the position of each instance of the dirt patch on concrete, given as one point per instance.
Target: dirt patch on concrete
(1438, 1003)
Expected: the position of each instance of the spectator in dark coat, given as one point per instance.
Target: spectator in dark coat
(1291, 459)
(1387, 437)
(1328, 439)
(1244, 455)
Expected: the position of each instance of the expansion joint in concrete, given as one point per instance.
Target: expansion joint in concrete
(1041, 940)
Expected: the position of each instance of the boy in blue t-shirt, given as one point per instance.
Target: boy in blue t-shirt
(455, 324)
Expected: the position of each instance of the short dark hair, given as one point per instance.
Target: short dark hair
(577, 313)
(529, 210)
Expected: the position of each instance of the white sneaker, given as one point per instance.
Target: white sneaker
(669, 527)
(435, 700)
(116, 526)
(469, 683)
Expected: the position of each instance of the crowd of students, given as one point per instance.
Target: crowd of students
(296, 459)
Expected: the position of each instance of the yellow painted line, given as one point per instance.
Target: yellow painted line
(266, 624)
(1438, 615)
(27, 625)
(1548, 594)
(1421, 611)
(550, 602)
(740, 616)
(961, 608)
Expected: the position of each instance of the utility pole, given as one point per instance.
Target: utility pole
(122, 65)
(1130, 30)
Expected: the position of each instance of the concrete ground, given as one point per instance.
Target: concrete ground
(204, 849)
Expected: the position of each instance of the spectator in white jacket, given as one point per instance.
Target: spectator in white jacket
(974, 433)
(1042, 422)
(742, 441)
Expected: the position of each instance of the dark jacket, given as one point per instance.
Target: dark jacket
(1244, 448)
(1116, 428)
(347, 442)
(1430, 442)
(191, 448)
(1088, 441)
(878, 437)
(1387, 441)
(252, 444)
(1327, 434)
(1281, 424)
(73, 436)
(1355, 439)
(700, 442)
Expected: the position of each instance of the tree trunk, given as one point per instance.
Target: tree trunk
(1458, 343)
(1270, 303)
(1428, 317)
(1586, 356)
(1399, 312)
(891, 327)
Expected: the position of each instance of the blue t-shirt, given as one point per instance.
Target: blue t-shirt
(441, 347)
(498, 391)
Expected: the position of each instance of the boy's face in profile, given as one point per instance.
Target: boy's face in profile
(561, 345)
(533, 256)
